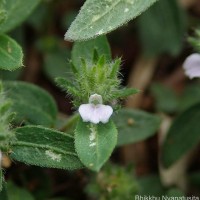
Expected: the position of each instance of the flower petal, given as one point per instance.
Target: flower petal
(85, 111)
(192, 73)
(192, 65)
(95, 113)
(89, 113)
(104, 113)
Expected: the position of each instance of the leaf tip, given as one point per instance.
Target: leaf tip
(67, 37)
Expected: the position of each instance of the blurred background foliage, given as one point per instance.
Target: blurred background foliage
(153, 48)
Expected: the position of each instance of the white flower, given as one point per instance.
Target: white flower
(192, 65)
(95, 111)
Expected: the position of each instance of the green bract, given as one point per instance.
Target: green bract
(85, 49)
(195, 41)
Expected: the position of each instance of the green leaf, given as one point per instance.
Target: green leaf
(121, 180)
(32, 104)
(11, 75)
(182, 136)
(167, 14)
(3, 193)
(147, 188)
(1, 180)
(56, 64)
(165, 98)
(17, 12)
(135, 125)
(43, 189)
(100, 17)
(45, 147)
(17, 193)
(11, 55)
(194, 40)
(190, 96)
(85, 50)
(194, 179)
(125, 92)
(95, 143)
(175, 192)
(3, 15)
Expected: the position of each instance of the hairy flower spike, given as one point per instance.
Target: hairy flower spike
(95, 111)
(97, 77)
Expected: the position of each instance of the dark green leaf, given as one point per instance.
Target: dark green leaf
(17, 193)
(182, 136)
(56, 64)
(32, 104)
(45, 147)
(85, 50)
(156, 40)
(100, 17)
(17, 12)
(135, 125)
(151, 185)
(3, 193)
(94, 143)
(165, 98)
(190, 97)
(125, 92)
(10, 54)
(10, 75)
(174, 192)
(1, 179)
(194, 179)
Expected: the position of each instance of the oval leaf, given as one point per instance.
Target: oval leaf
(85, 50)
(45, 147)
(17, 12)
(11, 55)
(95, 143)
(32, 104)
(165, 97)
(135, 125)
(1, 180)
(100, 17)
(16, 193)
(3, 193)
(182, 136)
(56, 65)
(165, 13)
(190, 96)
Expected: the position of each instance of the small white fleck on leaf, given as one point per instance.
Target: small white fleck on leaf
(126, 10)
(53, 156)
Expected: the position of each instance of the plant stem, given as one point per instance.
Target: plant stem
(70, 123)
